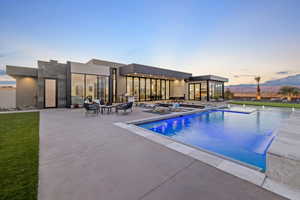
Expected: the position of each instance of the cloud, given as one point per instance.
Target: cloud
(283, 72)
(243, 75)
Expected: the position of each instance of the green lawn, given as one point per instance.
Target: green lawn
(274, 104)
(19, 147)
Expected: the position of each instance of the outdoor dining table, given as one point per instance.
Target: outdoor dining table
(108, 108)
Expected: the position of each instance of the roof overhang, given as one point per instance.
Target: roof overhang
(21, 71)
(208, 78)
(144, 70)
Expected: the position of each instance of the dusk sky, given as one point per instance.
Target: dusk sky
(231, 38)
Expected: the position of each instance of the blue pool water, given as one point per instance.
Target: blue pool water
(239, 136)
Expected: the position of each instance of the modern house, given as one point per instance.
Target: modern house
(55, 84)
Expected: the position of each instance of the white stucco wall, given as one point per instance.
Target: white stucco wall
(89, 69)
(7, 97)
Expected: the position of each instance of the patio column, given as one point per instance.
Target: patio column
(207, 82)
(223, 94)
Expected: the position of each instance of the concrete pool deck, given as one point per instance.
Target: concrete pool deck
(283, 156)
(91, 158)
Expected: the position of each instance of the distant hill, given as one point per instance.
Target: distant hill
(267, 88)
(290, 80)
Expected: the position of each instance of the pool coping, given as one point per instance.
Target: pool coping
(236, 168)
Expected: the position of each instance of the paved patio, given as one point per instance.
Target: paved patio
(91, 158)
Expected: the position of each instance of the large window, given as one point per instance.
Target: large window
(158, 91)
(191, 91)
(163, 89)
(103, 88)
(197, 92)
(91, 87)
(167, 89)
(146, 89)
(114, 78)
(77, 91)
(203, 90)
(153, 89)
(142, 89)
(129, 88)
(136, 88)
(215, 90)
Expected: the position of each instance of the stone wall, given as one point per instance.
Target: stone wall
(52, 70)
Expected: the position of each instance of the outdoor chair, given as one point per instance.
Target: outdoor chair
(91, 108)
(124, 107)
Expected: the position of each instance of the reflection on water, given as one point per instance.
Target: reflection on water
(244, 137)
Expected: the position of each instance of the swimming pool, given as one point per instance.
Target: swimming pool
(238, 136)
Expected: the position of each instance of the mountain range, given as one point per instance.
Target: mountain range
(267, 88)
(290, 80)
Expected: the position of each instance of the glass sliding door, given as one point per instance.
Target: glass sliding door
(215, 89)
(163, 89)
(148, 89)
(103, 88)
(106, 89)
(153, 89)
(158, 89)
(129, 84)
(197, 92)
(203, 90)
(114, 77)
(191, 92)
(77, 91)
(50, 93)
(136, 88)
(91, 87)
(167, 89)
(142, 89)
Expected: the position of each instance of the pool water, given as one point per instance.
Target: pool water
(239, 136)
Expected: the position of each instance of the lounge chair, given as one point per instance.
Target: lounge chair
(124, 107)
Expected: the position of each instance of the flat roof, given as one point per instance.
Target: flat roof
(21, 71)
(134, 68)
(208, 77)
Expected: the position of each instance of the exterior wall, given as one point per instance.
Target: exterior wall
(26, 92)
(90, 69)
(52, 70)
(178, 89)
(7, 97)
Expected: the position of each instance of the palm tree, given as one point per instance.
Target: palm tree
(289, 92)
(258, 97)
